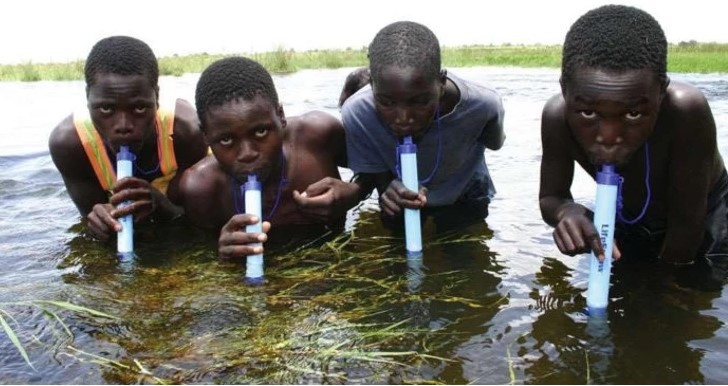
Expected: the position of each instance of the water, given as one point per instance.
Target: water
(495, 304)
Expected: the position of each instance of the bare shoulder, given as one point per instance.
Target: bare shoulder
(315, 129)
(65, 146)
(186, 123)
(189, 142)
(684, 98)
(201, 178)
(552, 116)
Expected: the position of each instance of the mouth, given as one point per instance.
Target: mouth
(261, 174)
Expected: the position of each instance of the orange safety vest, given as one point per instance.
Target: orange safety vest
(99, 159)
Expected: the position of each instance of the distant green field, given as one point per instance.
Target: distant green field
(684, 57)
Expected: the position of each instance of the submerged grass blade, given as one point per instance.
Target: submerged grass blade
(58, 319)
(14, 338)
(73, 307)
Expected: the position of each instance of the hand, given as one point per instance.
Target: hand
(398, 196)
(234, 242)
(328, 199)
(101, 222)
(576, 234)
(143, 198)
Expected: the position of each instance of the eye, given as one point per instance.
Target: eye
(226, 141)
(588, 114)
(385, 102)
(105, 109)
(140, 109)
(260, 133)
(633, 115)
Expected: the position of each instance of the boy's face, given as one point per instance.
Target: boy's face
(123, 108)
(612, 113)
(406, 99)
(245, 136)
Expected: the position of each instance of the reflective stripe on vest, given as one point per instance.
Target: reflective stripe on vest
(99, 159)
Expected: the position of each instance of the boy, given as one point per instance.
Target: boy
(122, 94)
(617, 106)
(295, 158)
(451, 120)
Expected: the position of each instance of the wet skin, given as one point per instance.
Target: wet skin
(247, 137)
(123, 109)
(607, 117)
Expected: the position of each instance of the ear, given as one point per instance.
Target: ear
(665, 84)
(156, 92)
(443, 76)
(204, 136)
(282, 116)
(563, 86)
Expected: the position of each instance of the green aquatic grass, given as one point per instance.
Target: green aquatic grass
(42, 305)
(684, 57)
(307, 324)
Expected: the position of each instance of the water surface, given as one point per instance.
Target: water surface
(496, 303)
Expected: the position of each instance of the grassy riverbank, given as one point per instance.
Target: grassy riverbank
(684, 57)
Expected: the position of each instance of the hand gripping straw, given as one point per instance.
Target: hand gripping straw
(604, 215)
(253, 205)
(125, 238)
(413, 228)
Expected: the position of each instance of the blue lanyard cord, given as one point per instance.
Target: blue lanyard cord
(239, 200)
(141, 171)
(620, 203)
(437, 156)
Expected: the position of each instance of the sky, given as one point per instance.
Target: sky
(41, 31)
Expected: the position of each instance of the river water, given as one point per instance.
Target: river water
(494, 304)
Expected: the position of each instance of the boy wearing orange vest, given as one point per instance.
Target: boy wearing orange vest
(122, 95)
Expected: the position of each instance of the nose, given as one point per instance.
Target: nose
(403, 117)
(609, 133)
(123, 125)
(247, 152)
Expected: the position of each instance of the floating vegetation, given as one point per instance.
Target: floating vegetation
(46, 307)
(340, 308)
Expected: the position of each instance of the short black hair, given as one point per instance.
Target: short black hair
(405, 44)
(230, 79)
(615, 37)
(122, 55)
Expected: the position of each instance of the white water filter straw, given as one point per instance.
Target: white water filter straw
(253, 205)
(125, 238)
(412, 225)
(605, 212)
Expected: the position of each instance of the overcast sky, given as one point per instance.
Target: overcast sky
(64, 30)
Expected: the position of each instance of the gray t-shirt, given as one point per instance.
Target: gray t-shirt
(462, 174)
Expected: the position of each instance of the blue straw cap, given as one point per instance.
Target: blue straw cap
(253, 183)
(607, 175)
(407, 146)
(125, 154)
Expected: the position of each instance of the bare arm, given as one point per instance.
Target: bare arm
(693, 155)
(574, 232)
(189, 148)
(70, 159)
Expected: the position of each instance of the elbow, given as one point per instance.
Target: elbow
(496, 143)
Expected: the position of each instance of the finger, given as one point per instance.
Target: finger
(389, 207)
(98, 231)
(240, 221)
(616, 253)
(595, 242)
(581, 235)
(228, 252)
(564, 242)
(318, 188)
(405, 193)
